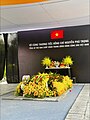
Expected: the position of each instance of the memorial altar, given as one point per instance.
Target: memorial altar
(59, 70)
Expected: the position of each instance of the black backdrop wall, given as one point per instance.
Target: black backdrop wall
(30, 59)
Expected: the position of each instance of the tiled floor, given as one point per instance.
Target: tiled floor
(81, 108)
(6, 88)
(48, 111)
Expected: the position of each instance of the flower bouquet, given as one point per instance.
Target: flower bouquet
(67, 61)
(46, 61)
(44, 85)
(56, 63)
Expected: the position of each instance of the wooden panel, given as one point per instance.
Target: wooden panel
(14, 2)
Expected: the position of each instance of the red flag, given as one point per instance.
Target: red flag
(57, 34)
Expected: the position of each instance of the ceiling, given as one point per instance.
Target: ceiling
(47, 14)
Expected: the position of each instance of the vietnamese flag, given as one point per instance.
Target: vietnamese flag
(57, 34)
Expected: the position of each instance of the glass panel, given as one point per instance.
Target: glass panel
(12, 58)
(2, 56)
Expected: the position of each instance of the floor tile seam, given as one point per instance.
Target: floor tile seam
(83, 101)
(77, 107)
(79, 99)
(84, 113)
(76, 110)
(86, 95)
(83, 89)
(86, 110)
(74, 102)
(75, 114)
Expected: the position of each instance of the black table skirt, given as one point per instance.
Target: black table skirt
(61, 71)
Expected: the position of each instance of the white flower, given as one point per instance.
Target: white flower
(22, 86)
(25, 77)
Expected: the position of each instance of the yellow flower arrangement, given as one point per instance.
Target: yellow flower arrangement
(18, 90)
(46, 61)
(36, 87)
(67, 60)
(67, 82)
(59, 87)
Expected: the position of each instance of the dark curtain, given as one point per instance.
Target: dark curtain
(2, 56)
(12, 70)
